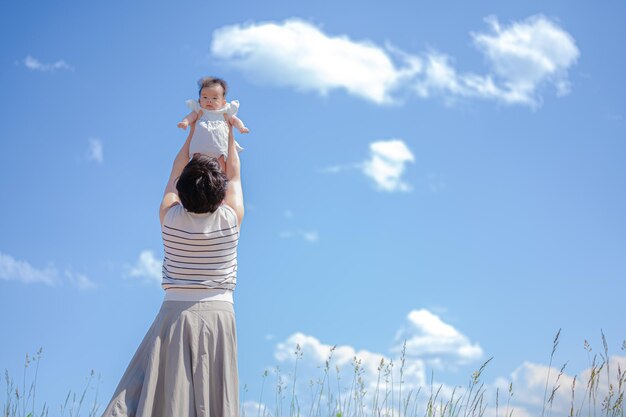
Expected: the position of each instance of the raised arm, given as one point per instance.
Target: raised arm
(190, 119)
(170, 196)
(234, 193)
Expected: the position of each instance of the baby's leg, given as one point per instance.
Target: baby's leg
(236, 121)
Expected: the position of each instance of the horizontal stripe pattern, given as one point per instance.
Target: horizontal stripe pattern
(200, 249)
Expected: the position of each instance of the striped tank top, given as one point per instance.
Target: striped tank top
(200, 249)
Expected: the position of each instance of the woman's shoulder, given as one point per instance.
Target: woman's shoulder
(228, 212)
(173, 212)
(177, 213)
(227, 209)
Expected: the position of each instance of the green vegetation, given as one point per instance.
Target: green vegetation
(20, 402)
(602, 395)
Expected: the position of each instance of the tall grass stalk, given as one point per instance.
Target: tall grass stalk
(294, 408)
(264, 376)
(555, 343)
(600, 394)
(386, 395)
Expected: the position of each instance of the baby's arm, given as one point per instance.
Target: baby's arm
(235, 121)
(189, 119)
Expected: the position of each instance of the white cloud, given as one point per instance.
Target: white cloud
(80, 280)
(147, 267)
(95, 151)
(522, 57)
(385, 166)
(311, 236)
(34, 64)
(529, 386)
(441, 79)
(376, 376)
(12, 269)
(298, 54)
(375, 367)
(256, 409)
(336, 169)
(438, 75)
(427, 336)
(342, 360)
(503, 410)
(528, 53)
(387, 163)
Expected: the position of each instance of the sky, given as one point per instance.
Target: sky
(450, 174)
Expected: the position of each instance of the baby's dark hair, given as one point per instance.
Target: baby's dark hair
(210, 82)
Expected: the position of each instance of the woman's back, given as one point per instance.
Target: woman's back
(200, 249)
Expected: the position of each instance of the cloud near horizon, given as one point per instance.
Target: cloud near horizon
(529, 384)
(343, 364)
(343, 361)
(522, 57)
(428, 337)
(422, 325)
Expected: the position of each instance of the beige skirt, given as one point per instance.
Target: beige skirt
(186, 365)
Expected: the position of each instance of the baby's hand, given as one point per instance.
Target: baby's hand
(244, 129)
(184, 124)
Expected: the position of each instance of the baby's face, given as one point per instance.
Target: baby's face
(212, 98)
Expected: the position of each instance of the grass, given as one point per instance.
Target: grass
(600, 395)
(20, 401)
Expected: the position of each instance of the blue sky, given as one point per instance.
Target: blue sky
(447, 173)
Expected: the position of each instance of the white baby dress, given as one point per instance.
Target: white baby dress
(211, 134)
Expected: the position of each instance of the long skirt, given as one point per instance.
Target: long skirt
(186, 365)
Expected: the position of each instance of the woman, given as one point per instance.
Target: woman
(186, 365)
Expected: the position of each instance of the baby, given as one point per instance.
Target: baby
(213, 114)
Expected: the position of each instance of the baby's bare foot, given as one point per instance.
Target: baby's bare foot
(183, 125)
(244, 129)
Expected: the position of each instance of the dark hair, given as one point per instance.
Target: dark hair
(202, 185)
(210, 82)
